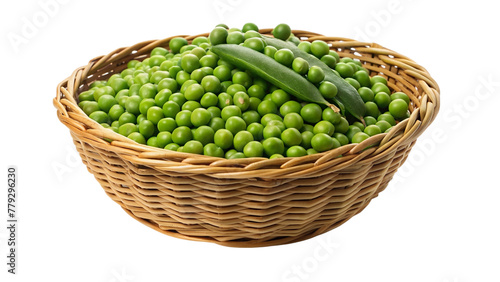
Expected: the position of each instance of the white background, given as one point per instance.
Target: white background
(438, 221)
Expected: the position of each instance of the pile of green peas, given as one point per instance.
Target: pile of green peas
(185, 98)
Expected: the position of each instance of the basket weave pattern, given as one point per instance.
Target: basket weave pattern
(256, 201)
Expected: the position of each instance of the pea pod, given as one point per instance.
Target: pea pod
(347, 94)
(272, 71)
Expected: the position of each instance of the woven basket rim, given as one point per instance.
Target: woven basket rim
(425, 110)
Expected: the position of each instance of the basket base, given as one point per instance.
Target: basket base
(255, 243)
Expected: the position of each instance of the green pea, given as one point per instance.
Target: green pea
(235, 124)
(322, 142)
(241, 138)
(127, 117)
(378, 79)
(115, 112)
(253, 149)
(209, 99)
(241, 100)
(235, 37)
(199, 40)
(230, 111)
(270, 51)
(194, 92)
(86, 96)
(351, 131)
(366, 94)
(359, 137)
(211, 84)
(213, 150)
(170, 109)
(329, 60)
(200, 116)
(290, 107)
(284, 56)
(234, 88)
(162, 97)
(214, 111)
(99, 117)
(145, 104)
(331, 116)
(270, 117)
(328, 89)
(217, 123)
(344, 70)
(252, 33)
(168, 83)
(282, 31)
(380, 87)
(229, 153)
(291, 137)
(369, 120)
(181, 135)
(249, 26)
(397, 108)
(305, 46)
(106, 101)
(293, 120)
(400, 95)
(193, 147)
(166, 124)
(271, 131)
(256, 91)
(137, 137)
(273, 145)
(243, 78)
(319, 48)
(382, 99)
(311, 113)
(155, 114)
(254, 43)
(152, 141)
(315, 74)
(372, 109)
(176, 44)
(182, 76)
(198, 52)
(177, 98)
(306, 139)
(341, 138)
(353, 82)
(172, 147)
(324, 127)
(387, 117)
(266, 107)
(238, 155)
(296, 151)
(159, 51)
(383, 125)
(146, 128)
(127, 128)
(256, 129)
(225, 100)
(372, 130)
(254, 103)
(300, 66)
(223, 138)
(218, 36)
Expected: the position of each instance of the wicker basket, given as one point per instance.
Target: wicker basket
(249, 202)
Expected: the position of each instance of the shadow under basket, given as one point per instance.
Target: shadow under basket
(251, 202)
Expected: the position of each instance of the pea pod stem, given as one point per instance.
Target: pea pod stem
(272, 71)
